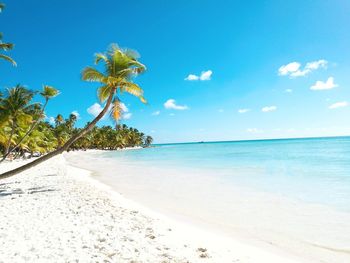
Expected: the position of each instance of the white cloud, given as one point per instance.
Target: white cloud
(269, 108)
(293, 69)
(314, 65)
(156, 113)
(243, 110)
(76, 113)
(127, 116)
(52, 120)
(171, 104)
(289, 68)
(205, 75)
(320, 85)
(254, 130)
(191, 77)
(96, 108)
(340, 104)
(172, 114)
(289, 90)
(123, 107)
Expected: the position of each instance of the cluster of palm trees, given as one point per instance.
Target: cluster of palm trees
(24, 130)
(22, 125)
(21, 122)
(109, 138)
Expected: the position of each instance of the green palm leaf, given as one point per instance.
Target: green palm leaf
(8, 59)
(103, 93)
(49, 92)
(6, 46)
(93, 75)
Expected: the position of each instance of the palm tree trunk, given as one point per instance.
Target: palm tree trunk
(25, 135)
(65, 146)
(8, 144)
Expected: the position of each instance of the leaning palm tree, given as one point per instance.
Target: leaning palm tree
(120, 67)
(47, 93)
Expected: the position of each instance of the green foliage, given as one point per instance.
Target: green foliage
(107, 138)
(49, 92)
(24, 130)
(22, 122)
(120, 67)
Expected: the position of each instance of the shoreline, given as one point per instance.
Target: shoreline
(142, 234)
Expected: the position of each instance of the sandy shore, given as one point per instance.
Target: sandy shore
(58, 213)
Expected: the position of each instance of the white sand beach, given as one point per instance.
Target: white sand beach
(58, 213)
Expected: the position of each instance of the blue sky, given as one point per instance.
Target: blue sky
(240, 46)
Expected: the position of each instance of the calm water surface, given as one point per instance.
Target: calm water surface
(311, 170)
(291, 195)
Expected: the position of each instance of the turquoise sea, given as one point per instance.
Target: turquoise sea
(312, 170)
(288, 194)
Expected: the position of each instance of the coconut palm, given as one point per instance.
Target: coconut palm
(120, 66)
(47, 93)
(16, 109)
(59, 120)
(71, 122)
(148, 141)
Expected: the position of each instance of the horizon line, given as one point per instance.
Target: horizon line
(252, 140)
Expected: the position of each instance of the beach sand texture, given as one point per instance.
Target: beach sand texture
(58, 213)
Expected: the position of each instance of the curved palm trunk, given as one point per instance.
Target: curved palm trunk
(9, 151)
(65, 146)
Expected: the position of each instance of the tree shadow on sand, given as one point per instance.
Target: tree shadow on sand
(7, 191)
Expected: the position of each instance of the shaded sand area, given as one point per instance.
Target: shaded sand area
(58, 213)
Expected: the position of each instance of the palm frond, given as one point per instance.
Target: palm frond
(131, 53)
(6, 46)
(49, 92)
(100, 57)
(24, 119)
(7, 58)
(137, 66)
(93, 75)
(103, 93)
(131, 88)
(143, 100)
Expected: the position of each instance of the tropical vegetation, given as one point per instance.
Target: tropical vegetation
(25, 131)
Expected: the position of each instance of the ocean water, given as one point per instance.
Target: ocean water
(293, 193)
